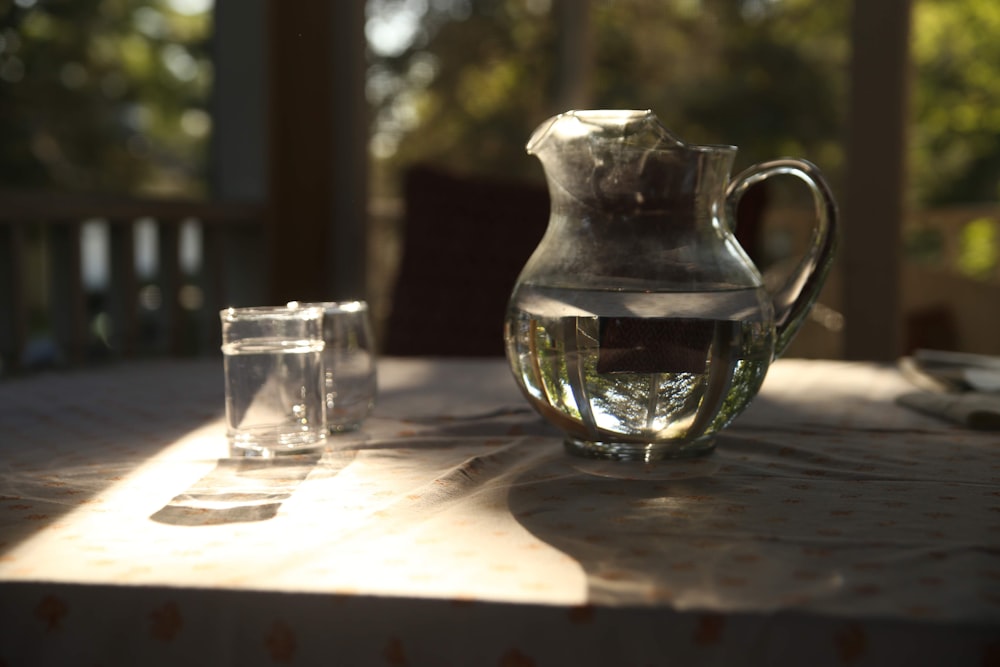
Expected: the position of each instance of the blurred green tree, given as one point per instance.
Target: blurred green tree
(111, 95)
(106, 96)
(468, 90)
(955, 146)
(766, 75)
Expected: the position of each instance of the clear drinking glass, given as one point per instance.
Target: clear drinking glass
(348, 363)
(273, 361)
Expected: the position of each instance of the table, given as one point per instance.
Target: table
(830, 527)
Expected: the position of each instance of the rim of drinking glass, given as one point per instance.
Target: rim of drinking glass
(300, 311)
(351, 306)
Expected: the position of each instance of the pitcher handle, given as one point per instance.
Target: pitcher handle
(795, 297)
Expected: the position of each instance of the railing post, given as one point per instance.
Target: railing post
(67, 305)
(170, 282)
(213, 283)
(13, 311)
(123, 292)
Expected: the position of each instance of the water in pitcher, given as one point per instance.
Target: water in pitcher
(639, 367)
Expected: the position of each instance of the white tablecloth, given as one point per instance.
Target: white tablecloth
(830, 527)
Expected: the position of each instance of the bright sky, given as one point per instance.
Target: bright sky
(390, 30)
(191, 7)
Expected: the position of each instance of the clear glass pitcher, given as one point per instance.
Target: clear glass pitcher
(639, 326)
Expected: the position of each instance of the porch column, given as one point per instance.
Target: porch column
(318, 143)
(874, 209)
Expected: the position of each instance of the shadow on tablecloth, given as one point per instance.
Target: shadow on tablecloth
(241, 490)
(796, 517)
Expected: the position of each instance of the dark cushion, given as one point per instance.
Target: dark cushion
(466, 241)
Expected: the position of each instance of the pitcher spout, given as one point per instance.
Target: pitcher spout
(626, 160)
(638, 128)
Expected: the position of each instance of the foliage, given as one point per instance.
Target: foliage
(471, 94)
(766, 75)
(103, 96)
(978, 244)
(956, 99)
(111, 95)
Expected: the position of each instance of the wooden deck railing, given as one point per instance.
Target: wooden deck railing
(44, 300)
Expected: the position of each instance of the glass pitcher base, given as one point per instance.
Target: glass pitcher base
(638, 451)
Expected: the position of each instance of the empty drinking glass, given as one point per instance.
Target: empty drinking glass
(348, 362)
